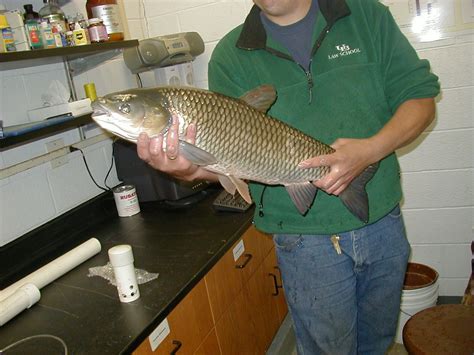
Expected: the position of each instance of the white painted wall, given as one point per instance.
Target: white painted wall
(437, 168)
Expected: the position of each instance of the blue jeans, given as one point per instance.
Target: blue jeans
(345, 303)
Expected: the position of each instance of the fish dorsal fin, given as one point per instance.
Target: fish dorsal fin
(195, 154)
(302, 195)
(260, 98)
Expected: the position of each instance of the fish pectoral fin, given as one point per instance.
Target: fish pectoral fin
(227, 184)
(260, 98)
(355, 198)
(302, 195)
(196, 155)
(242, 187)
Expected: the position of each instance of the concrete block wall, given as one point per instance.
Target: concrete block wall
(437, 169)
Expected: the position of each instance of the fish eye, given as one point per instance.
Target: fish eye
(125, 108)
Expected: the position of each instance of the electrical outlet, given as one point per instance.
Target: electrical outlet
(55, 145)
(56, 163)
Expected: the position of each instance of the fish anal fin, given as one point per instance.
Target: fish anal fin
(242, 188)
(195, 154)
(302, 195)
(260, 98)
(355, 198)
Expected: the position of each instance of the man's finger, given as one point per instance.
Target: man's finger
(321, 160)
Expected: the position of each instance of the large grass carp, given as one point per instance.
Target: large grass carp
(235, 138)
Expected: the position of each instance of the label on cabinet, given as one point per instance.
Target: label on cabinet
(159, 334)
(238, 250)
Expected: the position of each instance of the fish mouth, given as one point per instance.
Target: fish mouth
(105, 119)
(99, 110)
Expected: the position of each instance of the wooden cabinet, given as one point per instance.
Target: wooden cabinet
(247, 322)
(226, 279)
(190, 324)
(236, 309)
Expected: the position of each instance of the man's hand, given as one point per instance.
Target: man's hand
(169, 160)
(352, 156)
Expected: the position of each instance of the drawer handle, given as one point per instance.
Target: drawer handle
(275, 283)
(241, 266)
(176, 348)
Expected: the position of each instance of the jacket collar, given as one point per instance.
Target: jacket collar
(253, 35)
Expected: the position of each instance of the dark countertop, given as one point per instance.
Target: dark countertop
(85, 312)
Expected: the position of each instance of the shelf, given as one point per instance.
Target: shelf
(11, 142)
(66, 52)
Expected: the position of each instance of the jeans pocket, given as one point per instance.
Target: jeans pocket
(288, 242)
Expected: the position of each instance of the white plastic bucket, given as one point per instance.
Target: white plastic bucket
(420, 291)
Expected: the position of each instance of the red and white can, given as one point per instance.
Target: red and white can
(126, 200)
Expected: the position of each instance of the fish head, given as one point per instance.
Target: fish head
(128, 114)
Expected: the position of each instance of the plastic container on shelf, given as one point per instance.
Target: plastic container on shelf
(109, 12)
(97, 31)
(47, 35)
(7, 42)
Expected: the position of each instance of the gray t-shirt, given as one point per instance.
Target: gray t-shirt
(295, 37)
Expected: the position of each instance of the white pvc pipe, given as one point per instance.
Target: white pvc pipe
(56, 268)
(23, 298)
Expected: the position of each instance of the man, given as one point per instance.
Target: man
(345, 75)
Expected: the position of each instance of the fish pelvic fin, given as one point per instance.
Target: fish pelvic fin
(355, 198)
(260, 98)
(195, 154)
(302, 195)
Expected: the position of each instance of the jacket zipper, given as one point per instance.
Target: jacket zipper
(308, 73)
(309, 79)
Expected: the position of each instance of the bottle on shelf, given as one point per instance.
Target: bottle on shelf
(108, 11)
(79, 34)
(97, 31)
(29, 14)
(33, 33)
(47, 35)
(53, 14)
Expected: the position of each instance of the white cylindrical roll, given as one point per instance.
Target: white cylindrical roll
(23, 298)
(121, 258)
(56, 268)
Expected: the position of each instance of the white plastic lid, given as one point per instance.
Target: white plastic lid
(121, 255)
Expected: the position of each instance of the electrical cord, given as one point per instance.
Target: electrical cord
(107, 188)
(21, 341)
(139, 80)
(111, 165)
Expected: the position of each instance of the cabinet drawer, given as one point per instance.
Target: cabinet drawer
(225, 280)
(189, 323)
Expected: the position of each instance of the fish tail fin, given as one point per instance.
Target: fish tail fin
(355, 198)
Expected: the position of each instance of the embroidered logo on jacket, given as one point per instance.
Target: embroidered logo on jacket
(343, 51)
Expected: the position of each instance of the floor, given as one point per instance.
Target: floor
(284, 342)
